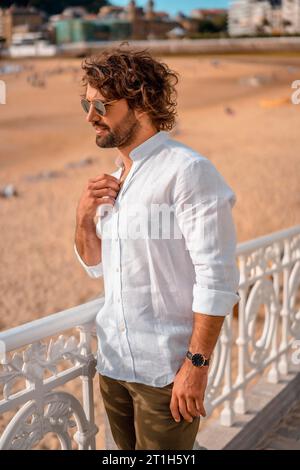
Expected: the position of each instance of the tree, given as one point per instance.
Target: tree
(215, 24)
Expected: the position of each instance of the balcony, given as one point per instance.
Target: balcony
(48, 365)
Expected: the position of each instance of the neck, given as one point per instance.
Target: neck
(142, 136)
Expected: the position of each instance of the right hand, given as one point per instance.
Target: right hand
(102, 189)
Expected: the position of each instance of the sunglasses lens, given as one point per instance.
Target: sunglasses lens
(85, 105)
(100, 108)
(98, 105)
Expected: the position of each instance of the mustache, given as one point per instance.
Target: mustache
(98, 124)
(95, 124)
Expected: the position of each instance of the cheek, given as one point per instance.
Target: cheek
(110, 124)
(105, 122)
(112, 119)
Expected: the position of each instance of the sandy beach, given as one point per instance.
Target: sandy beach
(235, 110)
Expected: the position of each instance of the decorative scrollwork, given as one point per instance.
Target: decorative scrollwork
(263, 260)
(32, 363)
(294, 304)
(262, 293)
(32, 422)
(295, 247)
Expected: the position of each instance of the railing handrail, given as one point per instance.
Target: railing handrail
(264, 240)
(50, 325)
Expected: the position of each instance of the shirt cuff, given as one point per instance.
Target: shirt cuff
(213, 302)
(93, 271)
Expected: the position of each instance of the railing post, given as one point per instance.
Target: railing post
(87, 378)
(227, 414)
(273, 375)
(240, 401)
(283, 363)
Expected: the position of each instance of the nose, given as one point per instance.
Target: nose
(92, 115)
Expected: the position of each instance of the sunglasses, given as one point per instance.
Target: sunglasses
(99, 106)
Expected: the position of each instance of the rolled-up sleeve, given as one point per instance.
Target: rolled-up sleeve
(203, 203)
(93, 271)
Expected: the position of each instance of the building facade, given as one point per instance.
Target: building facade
(111, 23)
(251, 17)
(146, 23)
(5, 27)
(19, 20)
(291, 16)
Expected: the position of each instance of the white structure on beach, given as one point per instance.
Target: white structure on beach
(291, 15)
(30, 45)
(250, 17)
(240, 18)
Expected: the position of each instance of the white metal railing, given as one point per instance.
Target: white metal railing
(259, 339)
(40, 364)
(268, 322)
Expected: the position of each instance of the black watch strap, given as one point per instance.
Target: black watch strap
(198, 360)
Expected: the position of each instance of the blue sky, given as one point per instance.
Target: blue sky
(173, 7)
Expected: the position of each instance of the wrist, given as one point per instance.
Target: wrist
(85, 223)
(197, 359)
(191, 369)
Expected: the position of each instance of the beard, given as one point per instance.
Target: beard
(122, 135)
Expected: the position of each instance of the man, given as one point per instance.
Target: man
(169, 285)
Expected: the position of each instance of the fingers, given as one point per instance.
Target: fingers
(104, 192)
(104, 200)
(101, 176)
(103, 181)
(174, 408)
(200, 408)
(183, 410)
(104, 184)
(191, 407)
(187, 408)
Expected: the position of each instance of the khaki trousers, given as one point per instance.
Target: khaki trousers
(140, 418)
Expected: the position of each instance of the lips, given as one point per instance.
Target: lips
(99, 130)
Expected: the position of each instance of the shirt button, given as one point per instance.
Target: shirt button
(119, 300)
(117, 270)
(122, 328)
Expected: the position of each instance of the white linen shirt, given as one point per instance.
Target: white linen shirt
(153, 284)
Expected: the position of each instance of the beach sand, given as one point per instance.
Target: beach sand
(235, 110)
(254, 145)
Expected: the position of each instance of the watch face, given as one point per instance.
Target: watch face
(198, 360)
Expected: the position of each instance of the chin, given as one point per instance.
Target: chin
(102, 142)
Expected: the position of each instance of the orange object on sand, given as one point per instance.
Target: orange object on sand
(275, 102)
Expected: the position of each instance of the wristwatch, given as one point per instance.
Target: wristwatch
(198, 360)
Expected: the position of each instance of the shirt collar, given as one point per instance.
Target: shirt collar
(146, 148)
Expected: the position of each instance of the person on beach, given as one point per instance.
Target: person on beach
(160, 231)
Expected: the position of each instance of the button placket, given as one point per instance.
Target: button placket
(116, 263)
(117, 276)
(121, 318)
(127, 180)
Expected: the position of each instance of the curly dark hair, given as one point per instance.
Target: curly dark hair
(146, 83)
